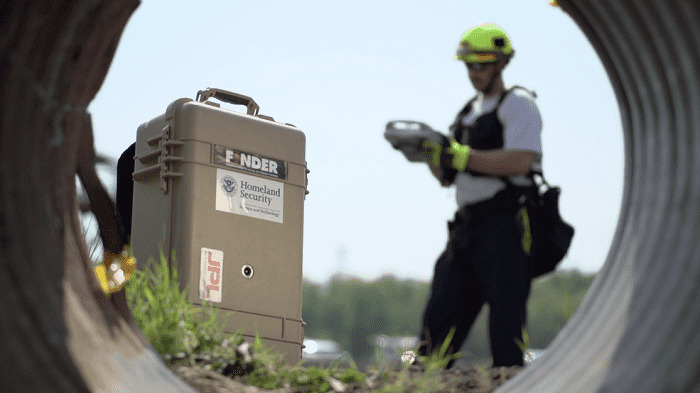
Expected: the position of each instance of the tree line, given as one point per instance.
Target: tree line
(350, 310)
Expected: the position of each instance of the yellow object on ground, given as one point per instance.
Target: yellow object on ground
(114, 271)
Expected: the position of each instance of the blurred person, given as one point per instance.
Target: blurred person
(493, 148)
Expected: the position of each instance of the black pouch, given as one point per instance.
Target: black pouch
(551, 235)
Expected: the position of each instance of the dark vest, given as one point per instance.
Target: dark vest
(485, 134)
(487, 131)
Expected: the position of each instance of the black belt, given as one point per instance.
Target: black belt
(505, 201)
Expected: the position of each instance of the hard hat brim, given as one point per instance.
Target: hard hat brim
(477, 57)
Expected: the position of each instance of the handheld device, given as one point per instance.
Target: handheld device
(408, 137)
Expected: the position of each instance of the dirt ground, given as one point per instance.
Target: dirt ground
(466, 381)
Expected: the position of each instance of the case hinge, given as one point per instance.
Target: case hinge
(164, 152)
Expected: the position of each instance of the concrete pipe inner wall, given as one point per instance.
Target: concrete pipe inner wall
(637, 329)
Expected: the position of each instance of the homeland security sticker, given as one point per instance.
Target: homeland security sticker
(250, 196)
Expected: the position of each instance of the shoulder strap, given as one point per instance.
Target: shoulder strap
(506, 92)
(465, 109)
(455, 126)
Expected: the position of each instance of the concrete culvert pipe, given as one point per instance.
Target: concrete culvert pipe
(637, 329)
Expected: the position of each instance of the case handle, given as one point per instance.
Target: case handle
(230, 97)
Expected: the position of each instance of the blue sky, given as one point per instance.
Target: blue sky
(339, 71)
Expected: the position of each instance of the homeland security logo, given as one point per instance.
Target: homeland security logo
(228, 184)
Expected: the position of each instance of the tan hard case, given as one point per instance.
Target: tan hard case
(195, 198)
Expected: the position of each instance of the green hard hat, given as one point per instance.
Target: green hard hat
(482, 44)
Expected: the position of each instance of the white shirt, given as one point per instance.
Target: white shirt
(522, 128)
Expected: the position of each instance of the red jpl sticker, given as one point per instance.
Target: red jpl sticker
(211, 278)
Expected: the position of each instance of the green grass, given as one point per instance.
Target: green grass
(164, 313)
(185, 334)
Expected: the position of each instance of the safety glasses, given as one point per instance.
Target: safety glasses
(478, 66)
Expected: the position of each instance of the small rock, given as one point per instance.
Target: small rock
(336, 385)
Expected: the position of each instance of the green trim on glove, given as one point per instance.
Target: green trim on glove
(433, 151)
(452, 154)
(460, 155)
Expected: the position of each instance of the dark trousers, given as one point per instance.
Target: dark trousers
(484, 262)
